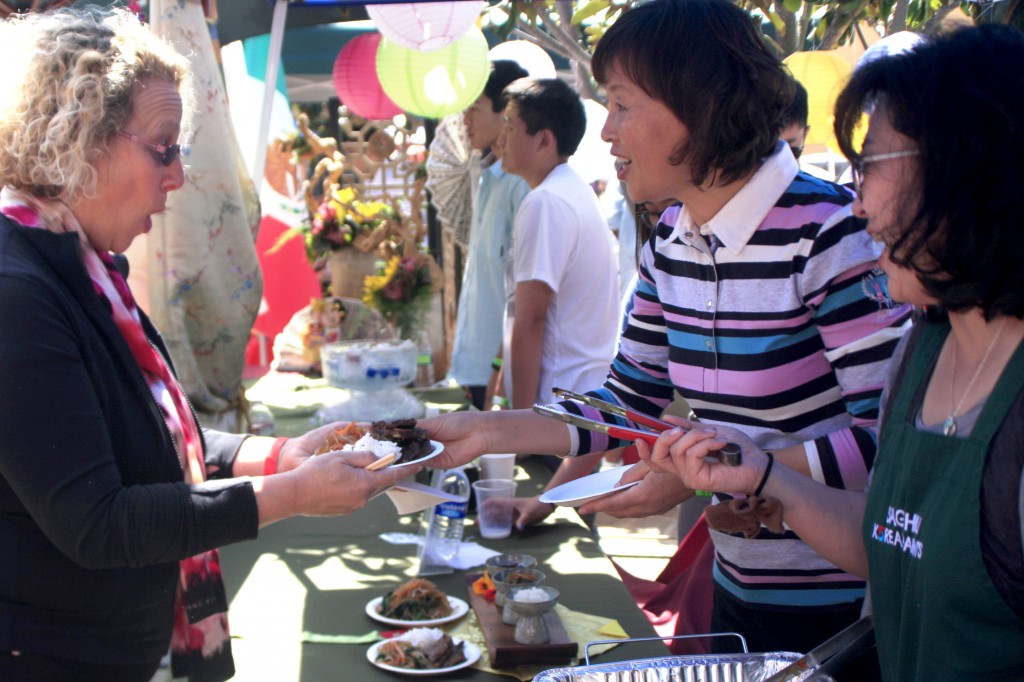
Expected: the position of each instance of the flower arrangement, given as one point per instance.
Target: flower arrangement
(340, 220)
(401, 291)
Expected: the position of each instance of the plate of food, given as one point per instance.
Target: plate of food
(401, 437)
(423, 651)
(582, 490)
(416, 603)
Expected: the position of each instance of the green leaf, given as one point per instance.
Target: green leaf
(793, 5)
(589, 10)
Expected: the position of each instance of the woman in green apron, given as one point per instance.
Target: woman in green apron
(939, 533)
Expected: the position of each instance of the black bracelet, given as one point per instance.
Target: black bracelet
(767, 471)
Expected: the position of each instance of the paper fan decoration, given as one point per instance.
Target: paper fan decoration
(448, 176)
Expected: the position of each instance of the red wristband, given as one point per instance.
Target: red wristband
(270, 463)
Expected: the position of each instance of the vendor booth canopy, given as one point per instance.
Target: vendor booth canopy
(240, 19)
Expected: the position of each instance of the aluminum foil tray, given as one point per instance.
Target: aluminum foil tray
(709, 668)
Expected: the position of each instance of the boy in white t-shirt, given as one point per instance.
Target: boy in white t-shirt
(562, 317)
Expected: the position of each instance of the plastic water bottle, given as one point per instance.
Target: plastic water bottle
(449, 517)
(424, 360)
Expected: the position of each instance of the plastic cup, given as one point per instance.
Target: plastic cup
(494, 502)
(498, 466)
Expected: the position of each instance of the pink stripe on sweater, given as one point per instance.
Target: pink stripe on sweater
(754, 384)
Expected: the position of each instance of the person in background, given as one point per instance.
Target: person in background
(480, 315)
(794, 121)
(562, 312)
(759, 302)
(795, 129)
(561, 280)
(940, 532)
(113, 499)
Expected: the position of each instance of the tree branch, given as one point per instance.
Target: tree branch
(543, 39)
(584, 85)
(840, 23)
(805, 22)
(791, 38)
(560, 34)
(899, 17)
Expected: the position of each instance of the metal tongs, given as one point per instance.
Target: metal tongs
(832, 655)
(730, 455)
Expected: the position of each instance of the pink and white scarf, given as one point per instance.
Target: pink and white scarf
(207, 640)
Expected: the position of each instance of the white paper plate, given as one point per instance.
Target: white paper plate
(582, 490)
(438, 449)
(459, 609)
(471, 651)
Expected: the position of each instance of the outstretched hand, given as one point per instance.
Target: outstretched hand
(527, 511)
(338, 483)
(463, 436)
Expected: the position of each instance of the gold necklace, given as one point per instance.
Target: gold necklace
(949, 427)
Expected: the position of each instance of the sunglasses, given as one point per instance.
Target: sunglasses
(859, 166)
(165, 154)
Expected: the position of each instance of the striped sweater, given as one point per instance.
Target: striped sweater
(772, 318)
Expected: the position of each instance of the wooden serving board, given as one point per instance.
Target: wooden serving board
(504, 650)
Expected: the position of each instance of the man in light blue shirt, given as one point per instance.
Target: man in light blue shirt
(480, 314)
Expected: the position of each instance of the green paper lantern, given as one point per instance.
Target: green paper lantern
(437, 83)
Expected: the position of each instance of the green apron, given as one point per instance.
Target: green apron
(937, 614)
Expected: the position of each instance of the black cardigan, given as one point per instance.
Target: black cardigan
(94, 513)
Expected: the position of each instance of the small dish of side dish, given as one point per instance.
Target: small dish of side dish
(416, 602)
(423, 651)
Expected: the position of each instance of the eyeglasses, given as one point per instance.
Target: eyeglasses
(860, 165)
(166, 154)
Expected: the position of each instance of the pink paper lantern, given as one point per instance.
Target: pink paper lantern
(425, 26)
(356, 81)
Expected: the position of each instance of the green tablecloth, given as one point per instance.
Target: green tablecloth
(316, 575)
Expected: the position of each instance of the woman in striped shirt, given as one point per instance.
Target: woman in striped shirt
(759, 302)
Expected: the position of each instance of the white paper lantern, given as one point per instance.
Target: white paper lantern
(425, 26)
(531, 57)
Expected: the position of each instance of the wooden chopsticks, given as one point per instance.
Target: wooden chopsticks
(384, 461)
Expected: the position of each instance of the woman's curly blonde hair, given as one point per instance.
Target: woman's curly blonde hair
(67, 90)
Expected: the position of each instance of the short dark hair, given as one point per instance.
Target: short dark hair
(707, 62)
(796, 113)
(503, 72)
(550, 104)
(960, 100)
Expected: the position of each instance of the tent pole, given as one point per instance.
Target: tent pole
(269, 86)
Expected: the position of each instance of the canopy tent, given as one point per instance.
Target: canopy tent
(244, 18)
(239, 19)
(308, 54)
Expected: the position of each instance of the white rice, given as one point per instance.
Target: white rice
(530, 595)
(377, 447)
(421, 637)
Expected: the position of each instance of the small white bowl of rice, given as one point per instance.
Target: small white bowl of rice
(421, 637)
(531, 595)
